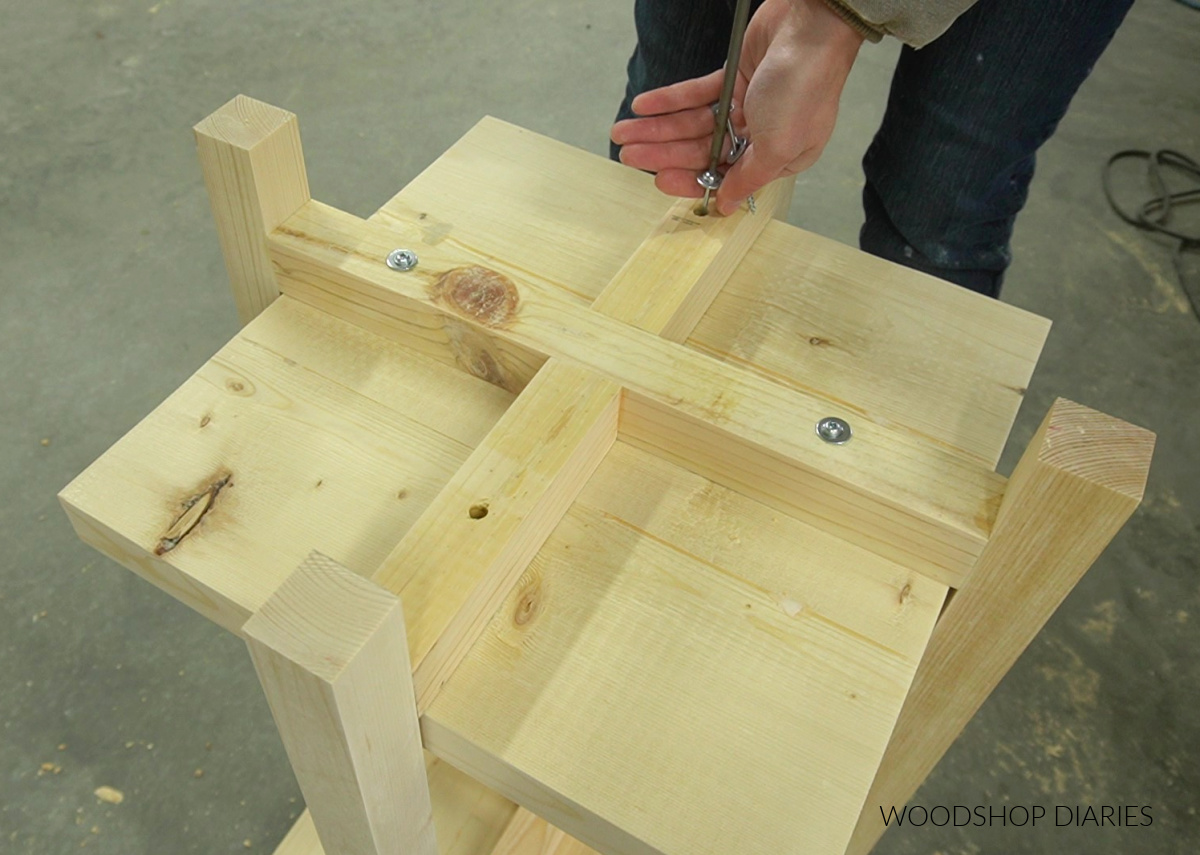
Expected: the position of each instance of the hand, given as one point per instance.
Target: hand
(794, 63)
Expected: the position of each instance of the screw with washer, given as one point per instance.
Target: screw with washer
(709, 179)
(834, 430)
(402, 259)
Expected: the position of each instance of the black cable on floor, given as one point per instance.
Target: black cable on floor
(1154, 215)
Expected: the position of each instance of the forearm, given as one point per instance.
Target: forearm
(914, 22)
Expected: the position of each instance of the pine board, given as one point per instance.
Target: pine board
(895, 345)
(333, 439)
(683, 666)
(469, 818)
(700, 616)
(892, 489)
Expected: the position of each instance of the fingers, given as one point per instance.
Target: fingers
(684, 125)
(673, 134)
(757, 168)
(678, 182)
(685, 95)
(656, 157)
(677, 164)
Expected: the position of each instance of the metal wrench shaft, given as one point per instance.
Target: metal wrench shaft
(710, 179)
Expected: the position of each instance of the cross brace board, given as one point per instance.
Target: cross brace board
(638, 594)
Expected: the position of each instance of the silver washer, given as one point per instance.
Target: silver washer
(709, 179)
(834, 430)
(402, 259)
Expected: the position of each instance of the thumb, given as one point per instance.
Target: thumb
(753, 171)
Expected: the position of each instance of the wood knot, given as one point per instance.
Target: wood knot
(484, 366)
(239, 386)
(195, 508)
(479, 294)
(529, 604)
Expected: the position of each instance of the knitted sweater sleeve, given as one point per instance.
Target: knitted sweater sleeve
(914, 22)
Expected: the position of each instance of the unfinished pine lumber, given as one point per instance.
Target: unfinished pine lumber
(254, 169)
(469, 819)
(1080, 478)
(669, 282)
(457, 563)
(324, 646)
(893, 491)
(800, 309)
(569, 461)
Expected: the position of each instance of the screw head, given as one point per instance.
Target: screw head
(402, 259)
(709, 179)
(834, 430)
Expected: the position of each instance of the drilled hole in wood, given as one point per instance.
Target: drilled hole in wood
(478, 512)
(700, 210)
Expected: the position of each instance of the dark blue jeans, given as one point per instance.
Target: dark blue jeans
(949, 169)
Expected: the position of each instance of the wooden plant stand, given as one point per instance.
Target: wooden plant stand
(552, 507)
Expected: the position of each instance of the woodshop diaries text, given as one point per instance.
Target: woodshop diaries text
(1017, 815)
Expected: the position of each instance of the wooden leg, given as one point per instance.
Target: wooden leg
(1079, 480)
(332, 656)
(302, 839)
(254, 170)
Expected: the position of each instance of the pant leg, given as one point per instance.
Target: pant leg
(950, 167)
(677, 40)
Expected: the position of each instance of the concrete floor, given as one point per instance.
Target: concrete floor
(112, 291)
